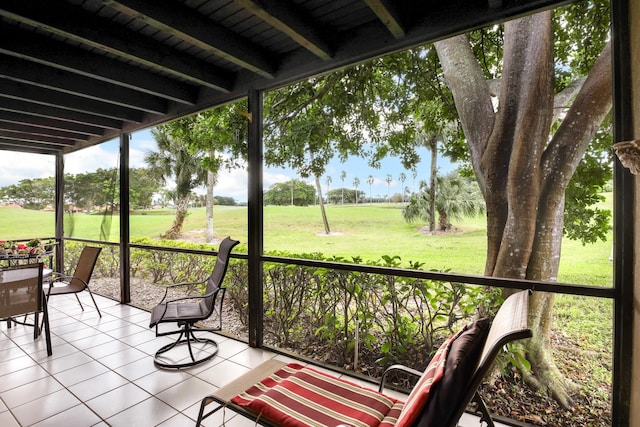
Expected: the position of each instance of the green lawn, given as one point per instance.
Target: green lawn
(368, 231)
(372, 231)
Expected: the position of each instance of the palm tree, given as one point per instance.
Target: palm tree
(174, 161)
(328, 181)
(388, 180)
(356, 183)
(343, 175)
(402, 179)
(455, 197)
(414, 175)
(370, 181)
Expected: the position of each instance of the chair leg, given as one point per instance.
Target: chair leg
(36, 325)
(45, 321)
(76, 295)
(201, 414)
(186, 337)
(94, 301)
(482, 408)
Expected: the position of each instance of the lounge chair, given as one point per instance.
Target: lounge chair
(187, 310)
(280, 394)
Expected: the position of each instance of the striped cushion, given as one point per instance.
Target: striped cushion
(299, 396)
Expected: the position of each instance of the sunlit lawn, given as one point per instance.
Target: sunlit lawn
(371, 231)
(367, 231)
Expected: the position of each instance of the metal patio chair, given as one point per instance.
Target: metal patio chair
(21, 294)
(62, 284)
(186, 311)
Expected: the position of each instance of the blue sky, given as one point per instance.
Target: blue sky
(18, 166)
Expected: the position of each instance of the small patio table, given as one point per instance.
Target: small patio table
(9, 258)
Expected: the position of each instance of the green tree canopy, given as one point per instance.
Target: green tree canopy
(294, 192)
(344, 195)
(34, 193)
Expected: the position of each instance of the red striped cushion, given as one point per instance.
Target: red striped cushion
(297, 396)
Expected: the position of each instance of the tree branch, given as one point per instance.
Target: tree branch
(591, 105)
(329, 84)
(470, 90)
(563, 99)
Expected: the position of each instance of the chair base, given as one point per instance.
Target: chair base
(189, 338)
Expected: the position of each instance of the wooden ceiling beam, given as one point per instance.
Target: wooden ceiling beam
(25, 137)
(196, 29)
(47, 123)
(33, 147)
(71, 22)
(29, 108)
(74, 84)
(386, 12)
(57, 99)
(284, 18)
(42, 132)
(26, 45)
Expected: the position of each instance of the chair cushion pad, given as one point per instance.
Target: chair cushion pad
(422, 390)
(300, 396)
(462, 361)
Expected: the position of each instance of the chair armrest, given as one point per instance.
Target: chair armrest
(175, 285)
(58, 274)
(400, 368)
(64, 277)
(185, 298)
(195, 296)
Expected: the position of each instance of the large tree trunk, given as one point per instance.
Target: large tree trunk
(523, 175)
(181, 213)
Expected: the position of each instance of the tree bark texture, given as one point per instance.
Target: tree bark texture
(181, 213)
(522, 170)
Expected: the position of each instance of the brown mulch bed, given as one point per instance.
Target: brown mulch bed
(507, 396)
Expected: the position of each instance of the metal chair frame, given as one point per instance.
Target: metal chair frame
(188, 310)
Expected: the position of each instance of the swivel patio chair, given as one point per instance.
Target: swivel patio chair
(187, 310)
(278, 393)
(74, 284)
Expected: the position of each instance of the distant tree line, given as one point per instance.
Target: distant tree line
(299, 193)
(90, 191)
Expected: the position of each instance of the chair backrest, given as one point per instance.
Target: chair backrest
(509, 324)
(21, 290)
(214, 282)
(84, 267)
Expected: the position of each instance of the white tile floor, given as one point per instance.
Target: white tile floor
(101, 372)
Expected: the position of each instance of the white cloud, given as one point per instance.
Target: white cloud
(18, 166)
(103, 156)
(141, 143)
